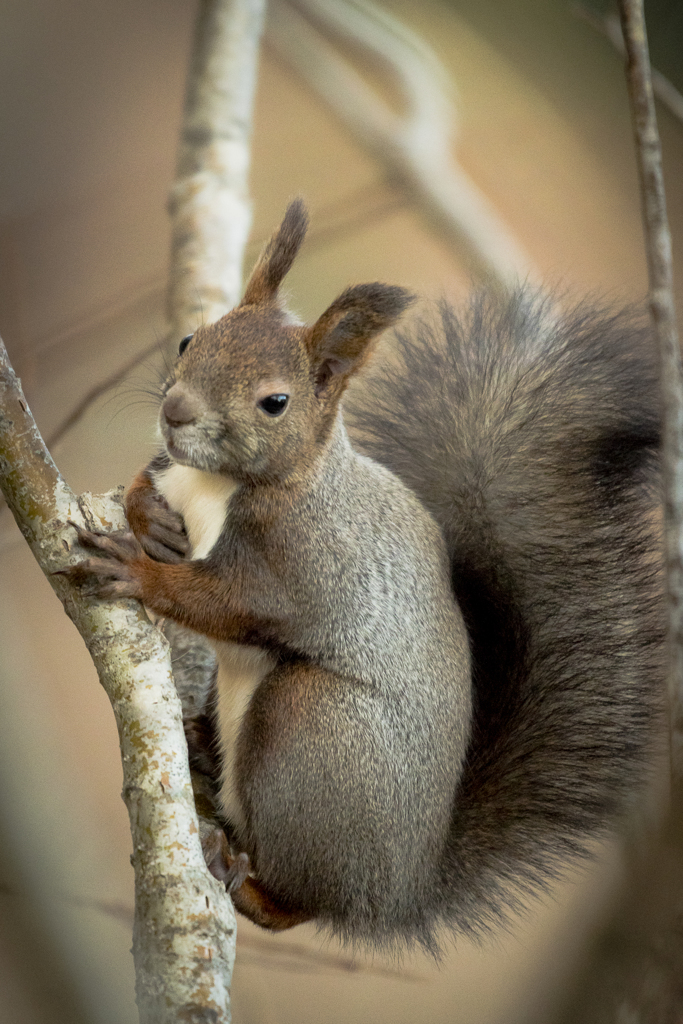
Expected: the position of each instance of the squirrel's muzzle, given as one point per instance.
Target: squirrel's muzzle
(180, 407)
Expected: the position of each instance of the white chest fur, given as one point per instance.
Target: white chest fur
(203, 501)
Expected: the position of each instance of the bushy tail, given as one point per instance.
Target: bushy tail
(532, 436)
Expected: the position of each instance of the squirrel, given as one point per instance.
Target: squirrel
(439, 646)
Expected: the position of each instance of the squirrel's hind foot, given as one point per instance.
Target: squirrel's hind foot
(248, 895)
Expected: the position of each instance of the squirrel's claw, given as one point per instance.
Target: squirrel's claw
(167, 540)
(232, 871)
(123, 546)
(109, 576)
(235, 873)
(160, 530)
(161, 552)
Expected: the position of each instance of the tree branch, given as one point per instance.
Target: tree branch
(210, 212)
(184, 928)
(415, 147)
(184, 919)
(634, 969)
(660, 269)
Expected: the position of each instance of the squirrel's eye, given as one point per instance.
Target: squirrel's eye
(274, 405)
(184, 343)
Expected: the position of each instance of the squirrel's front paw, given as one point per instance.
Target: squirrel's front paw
(111, 574)
(160, 530)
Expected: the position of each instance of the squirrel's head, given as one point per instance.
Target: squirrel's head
(256, 394)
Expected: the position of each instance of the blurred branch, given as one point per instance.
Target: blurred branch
(209, 208)
(182, 914)
(608, 25)
(407, 61)
(413, 147)
(268, 952)
(101, 388)
(95, 392)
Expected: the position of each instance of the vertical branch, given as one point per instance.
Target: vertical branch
(660, 268)
(633, 970)
(209, 208)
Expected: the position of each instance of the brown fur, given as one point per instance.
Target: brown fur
(277, 257)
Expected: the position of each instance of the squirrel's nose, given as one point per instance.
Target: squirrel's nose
(180, 407)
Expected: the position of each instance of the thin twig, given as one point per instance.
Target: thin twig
(268, 953)
(333, 221)
(608, 25)
(633, 971)
(96, 392)
(660, 269)
(81, 408)
(295, 956)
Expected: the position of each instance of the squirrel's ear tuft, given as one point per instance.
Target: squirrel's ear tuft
(339, 341)
(278, 256)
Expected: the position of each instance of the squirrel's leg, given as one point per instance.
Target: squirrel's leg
(160, 531)
(253, 901)
(200, 734)
(248, 895)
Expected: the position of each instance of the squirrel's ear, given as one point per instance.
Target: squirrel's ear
(338, 342)
(278, 256)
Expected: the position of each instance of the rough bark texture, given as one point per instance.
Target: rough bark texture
(184, 920)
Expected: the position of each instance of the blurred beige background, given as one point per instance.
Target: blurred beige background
(91, 101)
